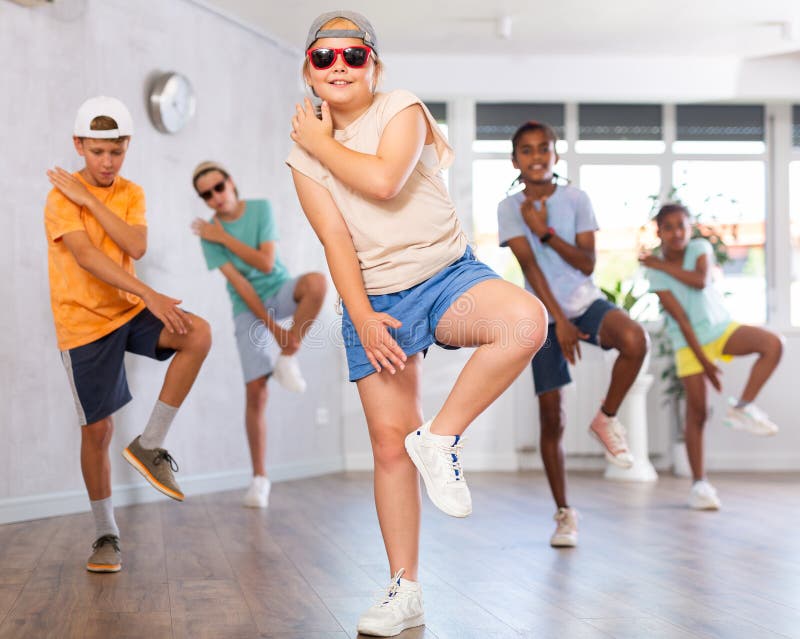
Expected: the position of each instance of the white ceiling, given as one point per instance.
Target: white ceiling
(726, 28)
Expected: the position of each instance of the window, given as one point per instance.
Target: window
(622, 198)
(711, 128)
(495, 124)
(619, 128)
(728, 197)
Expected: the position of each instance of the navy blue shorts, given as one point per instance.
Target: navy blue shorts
(419, 308)
(96, 370)
(550, 370)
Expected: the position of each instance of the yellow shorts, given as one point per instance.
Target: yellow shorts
(686, 361)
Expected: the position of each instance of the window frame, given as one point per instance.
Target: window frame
(779, 151)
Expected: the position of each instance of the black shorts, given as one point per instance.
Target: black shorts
(96, 370)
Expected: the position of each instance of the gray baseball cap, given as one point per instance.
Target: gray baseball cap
(365, 32)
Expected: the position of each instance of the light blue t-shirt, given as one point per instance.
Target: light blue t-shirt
(256, 225)
(704, 307)
(569, 212)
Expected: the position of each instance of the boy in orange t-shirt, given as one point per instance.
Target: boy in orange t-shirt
(96, 228)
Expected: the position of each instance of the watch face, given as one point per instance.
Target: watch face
(172, 102)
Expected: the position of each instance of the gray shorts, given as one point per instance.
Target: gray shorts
(254, 340)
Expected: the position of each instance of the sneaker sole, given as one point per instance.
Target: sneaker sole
(609, 456)
(743, 429)
(708, 507)
(426, 478)
(133, 461)
(419, 620)
(103, 567)
(563, 543)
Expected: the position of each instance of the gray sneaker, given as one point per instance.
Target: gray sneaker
(106, 556)
(156, 465)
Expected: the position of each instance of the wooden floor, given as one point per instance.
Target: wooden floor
(646, 567)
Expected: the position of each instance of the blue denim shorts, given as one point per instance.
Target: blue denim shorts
(253, 339)
(419, 308)
(550, 370)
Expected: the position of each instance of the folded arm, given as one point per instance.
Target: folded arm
(380, 176)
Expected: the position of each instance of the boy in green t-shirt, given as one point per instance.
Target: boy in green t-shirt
(701, 331)
(240, 240)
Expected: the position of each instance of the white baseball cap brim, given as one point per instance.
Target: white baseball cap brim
(109, 107)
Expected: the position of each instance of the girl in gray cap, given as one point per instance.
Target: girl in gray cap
(368, 175)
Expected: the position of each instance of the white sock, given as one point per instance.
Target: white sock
(103, 511)
(157, 428)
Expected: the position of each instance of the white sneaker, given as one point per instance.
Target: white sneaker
(748, 418)
(287, 372)
(703, 496)
(257, 496)
(566, 534)
(437, 460)
(398, 608)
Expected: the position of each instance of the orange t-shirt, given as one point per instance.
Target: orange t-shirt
(85, 308)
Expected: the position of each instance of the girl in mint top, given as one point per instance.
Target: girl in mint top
(702, 333)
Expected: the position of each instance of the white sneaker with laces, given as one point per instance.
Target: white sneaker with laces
(437, 460)
(398, 607)
(566, 534)
(257, 495)
(287, 372)
(749, 418)
(703, 496)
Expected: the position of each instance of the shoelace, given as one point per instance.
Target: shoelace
(107, 539)
(452, 453)
(392, 593)
(562, 520)
(616, 436)
(162, 454)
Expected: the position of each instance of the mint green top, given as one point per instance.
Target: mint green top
(704, 307)
(255, 226)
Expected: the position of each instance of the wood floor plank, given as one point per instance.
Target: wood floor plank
(308, 566)
(209, 609)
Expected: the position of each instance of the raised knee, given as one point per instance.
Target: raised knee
(316, 285)
(775, 346)
(634, 343)
(200, 335)
(530, 325)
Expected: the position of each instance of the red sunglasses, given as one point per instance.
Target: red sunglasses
(354, 57)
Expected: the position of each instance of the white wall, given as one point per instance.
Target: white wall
(53, 59)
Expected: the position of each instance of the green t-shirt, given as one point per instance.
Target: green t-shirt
(704, 307)
(255, 226)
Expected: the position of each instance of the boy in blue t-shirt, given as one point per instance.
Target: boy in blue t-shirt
(240, 241)
(701, 331)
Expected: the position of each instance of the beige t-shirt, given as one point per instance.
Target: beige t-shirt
(408, 239)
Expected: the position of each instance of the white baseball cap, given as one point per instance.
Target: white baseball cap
(109, 107)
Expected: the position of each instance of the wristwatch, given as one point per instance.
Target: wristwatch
(544, 239)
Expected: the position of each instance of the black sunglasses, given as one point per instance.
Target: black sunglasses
(323, 58)
(217, 188)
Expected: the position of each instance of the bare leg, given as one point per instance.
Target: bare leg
(696, 416)
(309, 293)
(508, 325)
(95, 463)
(751, 339)
(552, 420)
(255, 423)
(629, 338)
(393, 410)
(192, 349)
